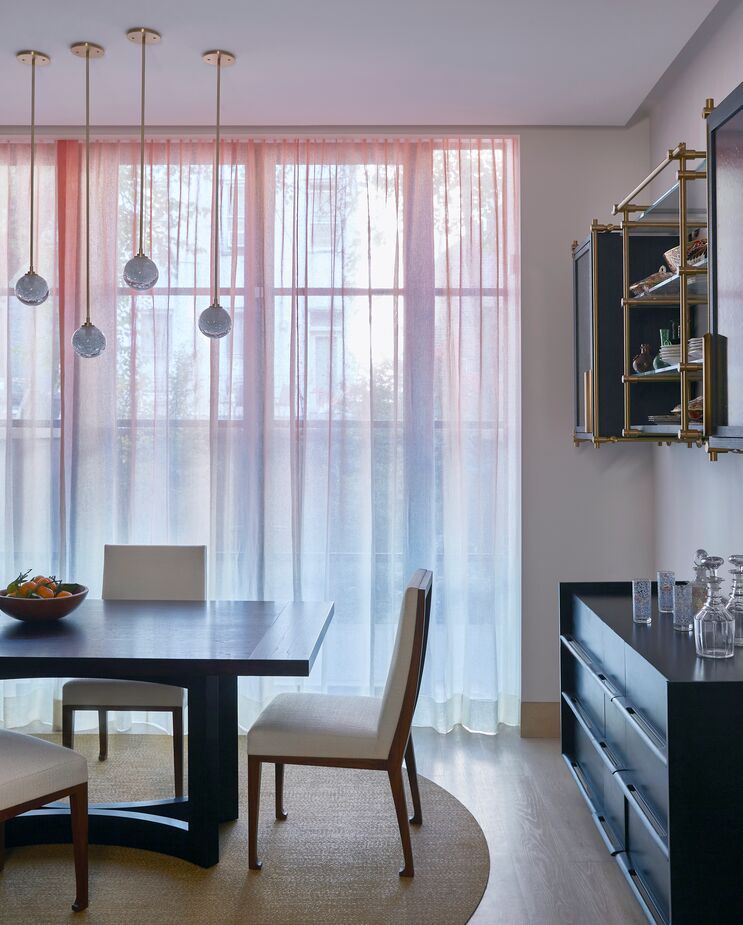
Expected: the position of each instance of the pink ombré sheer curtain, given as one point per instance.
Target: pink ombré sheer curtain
(361, 420)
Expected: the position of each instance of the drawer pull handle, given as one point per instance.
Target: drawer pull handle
(580, 779)
(645, 896)
(580, 653)
(607, 835)
(646, 732)
(601, 747)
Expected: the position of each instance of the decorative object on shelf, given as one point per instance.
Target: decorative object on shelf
(643, 286)
(696, 409)
(666, 582)
(215, 321)
(714, 627)
(683, 615)
(699, 581)
(734, 605)
(671, 353)
(88, 341)
(643, 362)
(675, 333)
(664, 418)
(665, 337)
(141, 272)
(659, 362)
(32, 289)
(642, 600)
(696, 253)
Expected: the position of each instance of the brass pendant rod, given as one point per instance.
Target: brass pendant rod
(33, 158)
(87, 185)
(216, 181)
(141, 151)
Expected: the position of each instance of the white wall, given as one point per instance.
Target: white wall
(697, 503)
(581, 506)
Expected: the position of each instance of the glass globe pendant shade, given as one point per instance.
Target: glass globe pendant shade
(215, 321)
(88, 341)
(141, 273)
(31, 289)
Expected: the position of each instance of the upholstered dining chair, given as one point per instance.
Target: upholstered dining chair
(34, 772)
(329, 730)
(147, 573)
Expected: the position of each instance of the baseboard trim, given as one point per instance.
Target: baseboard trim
(540, 720)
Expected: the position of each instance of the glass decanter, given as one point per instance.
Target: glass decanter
(714, 627)
(734, 605)
(699, 582)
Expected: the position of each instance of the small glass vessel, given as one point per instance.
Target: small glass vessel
(735, 605)
(714, 627)
(666, 582)
(699, 582)
(642, 601)
(683, 615)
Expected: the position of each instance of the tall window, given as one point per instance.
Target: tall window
(360, 421)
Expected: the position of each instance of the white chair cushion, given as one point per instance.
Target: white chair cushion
(31, 768)
(318, 726)
(97, 693)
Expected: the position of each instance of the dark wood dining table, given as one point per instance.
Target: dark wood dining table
(200, 646)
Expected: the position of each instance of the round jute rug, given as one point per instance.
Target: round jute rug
(334, 861)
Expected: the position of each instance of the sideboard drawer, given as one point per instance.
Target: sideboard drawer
(647, 857)
(641, 760)
(593, 766)
(588, 630)
(647, 693)
(581, 680)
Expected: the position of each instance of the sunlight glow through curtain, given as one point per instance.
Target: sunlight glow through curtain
(362, 419)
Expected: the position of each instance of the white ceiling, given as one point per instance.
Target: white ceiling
(333, 63)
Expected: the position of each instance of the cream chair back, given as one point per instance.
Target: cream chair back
(154, 573)
(406, 666)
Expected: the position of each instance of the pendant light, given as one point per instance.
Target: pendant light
(141, 272)
(32, 289)
(215, 321)
(88, 340)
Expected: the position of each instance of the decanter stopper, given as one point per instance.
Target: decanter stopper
(699, 582)
(735, 605)
(712, 563)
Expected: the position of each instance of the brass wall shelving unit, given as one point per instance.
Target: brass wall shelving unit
(690, 281)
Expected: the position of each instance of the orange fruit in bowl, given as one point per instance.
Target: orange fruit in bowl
(27, 587)
(62, 594)
(44, 591)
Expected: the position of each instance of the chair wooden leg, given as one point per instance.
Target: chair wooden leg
(417, 817)
(79, 817)
(280, 813)
(68, 726)
(254, 802)
(398, 795)
(102, 735)
(178, 750)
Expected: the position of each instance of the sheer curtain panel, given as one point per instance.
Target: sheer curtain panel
(361, 420)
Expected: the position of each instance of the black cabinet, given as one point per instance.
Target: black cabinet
(651, 735)
(599, 333)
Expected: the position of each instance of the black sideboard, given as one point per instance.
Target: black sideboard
(653, 737)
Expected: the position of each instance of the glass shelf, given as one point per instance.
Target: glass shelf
(666, 207)
(670, 287)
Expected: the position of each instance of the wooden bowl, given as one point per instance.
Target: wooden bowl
(43, 610)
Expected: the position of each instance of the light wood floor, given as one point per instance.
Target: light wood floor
(548, 865)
